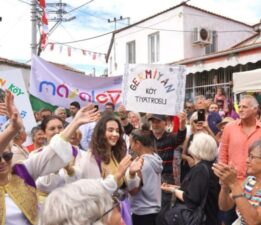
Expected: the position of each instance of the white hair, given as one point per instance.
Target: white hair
(58, 110)
(82, 202)
(203, 147)
(253, 101)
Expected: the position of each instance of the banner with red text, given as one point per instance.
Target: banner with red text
(154, 88)
(60, 87)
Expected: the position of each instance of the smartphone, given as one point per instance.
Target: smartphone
(2, 95)
(96, 107)
(201, 115)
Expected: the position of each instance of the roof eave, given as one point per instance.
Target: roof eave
(218, 54)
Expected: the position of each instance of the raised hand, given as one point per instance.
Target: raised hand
(11, 111)
(87, 114)
(123, 166)
(122, 112)
(136, 166)
(182, 120)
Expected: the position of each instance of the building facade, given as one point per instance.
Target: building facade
(178, 33)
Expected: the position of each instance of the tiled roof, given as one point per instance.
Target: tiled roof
(13, 63)
(18, 64)
(219, 54)
(254, 37)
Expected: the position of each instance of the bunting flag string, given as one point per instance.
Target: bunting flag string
(71, 50)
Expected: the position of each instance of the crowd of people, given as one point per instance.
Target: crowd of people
(119, 167)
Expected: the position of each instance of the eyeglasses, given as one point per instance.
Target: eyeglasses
(117, 197)
(7, 156)
(251, 157)
(115, 204)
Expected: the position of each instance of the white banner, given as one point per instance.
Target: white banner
(13, 80)
(156, 89)
(61, 87)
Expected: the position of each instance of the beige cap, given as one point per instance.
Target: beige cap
(224, 121)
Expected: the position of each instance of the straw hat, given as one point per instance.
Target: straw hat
(224, 121)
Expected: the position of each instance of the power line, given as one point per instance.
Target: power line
(24, 2)
(85, 39)
(11, 28)
(67, 32)
(158, 29)
(81, 6)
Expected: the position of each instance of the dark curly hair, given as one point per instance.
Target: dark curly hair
(99, 145)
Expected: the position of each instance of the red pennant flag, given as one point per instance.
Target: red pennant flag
(42, 3)
(69, 51)
(94, 56)
(43, 40)
(52, 47)
(44, 19)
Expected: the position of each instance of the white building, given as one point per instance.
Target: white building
(178, 33)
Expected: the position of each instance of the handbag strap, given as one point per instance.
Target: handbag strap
(202, 204)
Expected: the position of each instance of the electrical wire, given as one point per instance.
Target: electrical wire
(68, 33)
(144, 27)
(80, 6)
(157, 29)
(19, 20)
(24, 2)
(85, 39)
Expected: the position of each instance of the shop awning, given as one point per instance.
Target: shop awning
(249, 81)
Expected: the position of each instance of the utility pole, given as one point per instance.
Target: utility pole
(34, 24)
(60, 12)
(115, 20)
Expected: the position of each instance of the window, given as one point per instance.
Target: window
(153, 42)
(212, 47)
(131, 52)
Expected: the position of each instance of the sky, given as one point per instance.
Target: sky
(92, 20)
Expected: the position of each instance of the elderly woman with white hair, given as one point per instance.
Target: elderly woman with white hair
(87, 201)
(199, 189)
(83, 202)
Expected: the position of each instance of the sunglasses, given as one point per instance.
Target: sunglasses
(7, 156)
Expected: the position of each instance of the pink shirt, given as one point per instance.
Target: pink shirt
(234, 146)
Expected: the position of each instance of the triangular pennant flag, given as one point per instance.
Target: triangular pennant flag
(42, 3)
(83, 52)
(94, 56)
(69, 51)
(52, 47)
(61, 48)
(43, 40)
